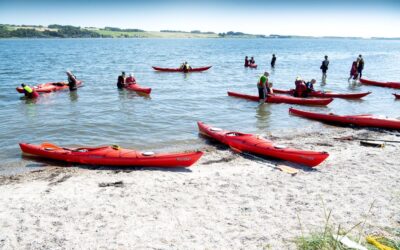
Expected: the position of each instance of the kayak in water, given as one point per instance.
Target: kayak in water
(326, 94)
(241, 142)
(357, 120)
(137, 88)
(394, 85)
(397, 96)
(253, 66)
(111, 156)
(181, 70)
(50, 87)
(272, 98)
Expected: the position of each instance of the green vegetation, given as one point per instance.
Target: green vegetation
(59, 31)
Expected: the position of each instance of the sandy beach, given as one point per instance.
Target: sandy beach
(225, 201)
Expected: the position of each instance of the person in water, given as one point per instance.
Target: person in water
(353, 70)
(246, 61)
(185, 67)
(121, 80)
(324, 67)
(262, 87)
(130, 79)
(360, 66)
(72, 82)
(301, 88)
(310, 85)
(270, 90)
(252, 61)
(29, 92)
(273, 60)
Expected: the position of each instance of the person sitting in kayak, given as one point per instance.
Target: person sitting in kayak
(270, 91)
(29, 92)
(252, 61)
(185, 67)
(353, 70)
(261, 85)
(310, 85)
(246, 61)
(72, 82)
(301, 89)
(130, 79)
(121, 81)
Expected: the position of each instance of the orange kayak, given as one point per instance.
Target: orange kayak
(285, 99)
(241, 142)
(137, 88)
(111, 156)
(50, 87)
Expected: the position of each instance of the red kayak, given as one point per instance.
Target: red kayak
(181, 70)
(252, 65)
(50, 87)
(397, 96)
(240, 142)
(111, 156)
(357, 120)
(136, 87)
(285, 99)
(325, 94)
(395, 85)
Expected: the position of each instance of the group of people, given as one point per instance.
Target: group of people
(123, 81)
(248, 62)
(303, 88)
(72, 85)
(356, 68)
(251, 61)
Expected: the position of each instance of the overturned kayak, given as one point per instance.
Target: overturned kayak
(241, 142)
(397, 96)
(50, 87)
(357, 120)
(181, 70)
(137, 88)
(285, 99)
(111, 156)
(394, 85)
(326, 94)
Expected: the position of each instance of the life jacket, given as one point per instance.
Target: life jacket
(28, 89)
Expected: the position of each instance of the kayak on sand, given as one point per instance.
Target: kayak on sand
(181, 70)
(285, 99)
(137, 88)
(111, 156)
(241, 142)
(357, 120)
(50, 87)
(395, 85)
(326, 94)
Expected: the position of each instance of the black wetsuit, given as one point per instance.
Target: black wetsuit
(121, 82)
(360, 67)
(72, 83)
(273, 62)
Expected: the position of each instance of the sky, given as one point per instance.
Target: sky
(361, 18)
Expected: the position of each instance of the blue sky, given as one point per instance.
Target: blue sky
(364, 18)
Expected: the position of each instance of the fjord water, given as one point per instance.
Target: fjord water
(99, 113)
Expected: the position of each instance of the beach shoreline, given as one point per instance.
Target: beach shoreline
(224, 201)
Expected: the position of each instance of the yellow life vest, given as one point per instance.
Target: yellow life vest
(28, 89)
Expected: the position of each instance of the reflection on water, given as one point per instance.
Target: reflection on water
(263, 116)
(73, 96)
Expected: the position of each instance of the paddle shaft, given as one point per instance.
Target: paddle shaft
(366, 139)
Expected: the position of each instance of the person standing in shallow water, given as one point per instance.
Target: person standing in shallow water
(121, 81)
(273, 60)
(360, 66)
(324, 68)
(262, 87)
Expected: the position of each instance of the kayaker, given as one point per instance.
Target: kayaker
(121, 80)
(360, 66)
(270, 90)
(324, 67)
(261, 85)
(246, 61)
(130, 79)
(310, 85)
(72, 82)
(273, 60)
(185, 67)
(29, 92)
(301, 89)
(252, 61)
(353, 70)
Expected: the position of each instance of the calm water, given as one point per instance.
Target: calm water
(100, 114)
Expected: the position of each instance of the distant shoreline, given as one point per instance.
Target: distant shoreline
(8, 31)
